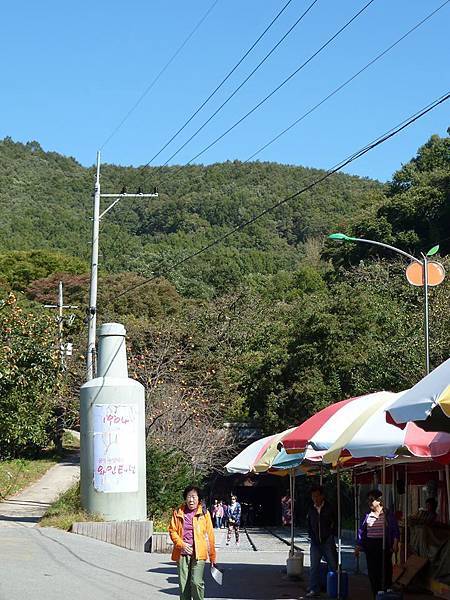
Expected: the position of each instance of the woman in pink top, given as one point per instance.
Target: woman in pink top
(219, 515)
(192, 534)
(376, 522)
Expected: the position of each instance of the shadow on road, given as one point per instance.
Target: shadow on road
(241, 581)
(18, 519)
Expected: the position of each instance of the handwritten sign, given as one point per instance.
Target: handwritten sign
(115, 448)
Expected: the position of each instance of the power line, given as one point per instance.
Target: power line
(207, 99)
(340, 87)
(236, 90)
(362, 151)
(156, 79)
(333, 37)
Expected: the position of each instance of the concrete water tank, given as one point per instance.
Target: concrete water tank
(112, 427)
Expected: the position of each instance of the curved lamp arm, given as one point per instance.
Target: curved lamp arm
(347, 238)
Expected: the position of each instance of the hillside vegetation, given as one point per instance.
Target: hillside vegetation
(266, 328)
(45, 202)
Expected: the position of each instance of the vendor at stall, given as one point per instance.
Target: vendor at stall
(428, 514)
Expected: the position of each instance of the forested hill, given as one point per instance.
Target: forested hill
(267, 328)
(45, 203)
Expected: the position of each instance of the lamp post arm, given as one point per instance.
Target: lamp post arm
(424, 266)
(426, 313)
(393, 248)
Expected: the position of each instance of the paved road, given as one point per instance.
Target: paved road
(29, 506)
(48, 564)
(301, 541)
(45, 564)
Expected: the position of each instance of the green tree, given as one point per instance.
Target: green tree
(29, 380)
(364, 333)
(19, 268)
(415, 214)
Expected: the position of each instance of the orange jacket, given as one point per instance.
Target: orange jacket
(204, 543)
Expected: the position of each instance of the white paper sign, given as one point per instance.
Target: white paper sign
(216, 575)
(115, 448)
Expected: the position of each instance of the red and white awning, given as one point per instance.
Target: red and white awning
(357, 428)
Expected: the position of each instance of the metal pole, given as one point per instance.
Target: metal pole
(405, 520)
(424, 264)
(394, 478)
(355, 493)
(447, 481)
(60, 325)
(426, 320)
(383, 562)
(338, 485)
(92, 310)
(292, 482)
(394, 486)
(376, 243)
(60, 320)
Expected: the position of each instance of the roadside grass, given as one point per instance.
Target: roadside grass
(161, 523)
(16, 474)
(67, 510)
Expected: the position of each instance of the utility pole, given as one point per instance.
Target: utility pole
(92, 309)
(60, 320)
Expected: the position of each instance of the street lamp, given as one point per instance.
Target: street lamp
(420, 272)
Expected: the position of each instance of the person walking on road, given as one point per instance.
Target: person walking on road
(286, 509)
(218, 516)
(234, 520)
(192, 534)
(322, 530)
(214, 508)
(370, 539)
(225, 515)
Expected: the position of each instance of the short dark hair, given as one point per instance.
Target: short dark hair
(374, 494)
(317, 488)
(192, 488)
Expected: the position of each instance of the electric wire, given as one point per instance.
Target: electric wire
(273, 92)
(158, 76)
(219, 86)
(212, 93)
(343, 85)
(236, 90)
(337, 167)
(348, 81)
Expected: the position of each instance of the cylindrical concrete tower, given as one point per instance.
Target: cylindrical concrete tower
(112, 425)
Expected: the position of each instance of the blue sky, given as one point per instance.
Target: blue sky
(71, 72)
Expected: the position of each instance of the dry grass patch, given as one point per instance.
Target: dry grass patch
(67, 510)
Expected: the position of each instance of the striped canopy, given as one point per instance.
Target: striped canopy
(357, 428)
(427, 403)
(264, 455)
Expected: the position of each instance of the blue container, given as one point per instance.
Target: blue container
(332, 581)
(389, 596)
(323, 572)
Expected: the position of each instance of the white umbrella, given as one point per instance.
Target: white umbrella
(427, 403)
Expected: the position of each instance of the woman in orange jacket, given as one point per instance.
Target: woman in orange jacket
(192, 534)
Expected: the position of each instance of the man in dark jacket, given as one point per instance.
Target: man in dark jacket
(321, 529)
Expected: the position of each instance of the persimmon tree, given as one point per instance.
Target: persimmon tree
(29, 379)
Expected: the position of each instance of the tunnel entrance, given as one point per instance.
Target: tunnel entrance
(259, 496)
